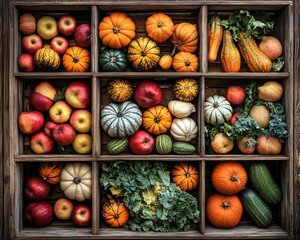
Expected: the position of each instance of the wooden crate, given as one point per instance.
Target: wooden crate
(211, 79)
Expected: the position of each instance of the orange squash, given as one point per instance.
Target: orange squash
(166, 61)
(76, 59)
(224, 211)
(185, 176)
(50, 172)
(114, 212)
(229, 178)
(185, 37)
(116, 30)
(186, 89)
(230, 55)
(157, 120)
(185, 62)
(214, 37)
(120, 90)
(159, 27)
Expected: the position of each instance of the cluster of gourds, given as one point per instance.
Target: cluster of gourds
(122, 118)
(118, 31)
(225, 208)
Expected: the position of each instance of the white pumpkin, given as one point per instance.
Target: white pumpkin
(184, 129)
(76, 181)
(181, 109)
(217, 110)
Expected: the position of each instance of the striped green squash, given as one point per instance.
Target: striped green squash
(264, 183)
(217, 110)
(117, 145)
(121, 120)
(256, 208)
(163, 144)
(143, 53)
(183, 148)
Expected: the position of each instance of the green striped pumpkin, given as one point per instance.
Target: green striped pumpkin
(163, 144)
(256, 208)
(217, 110)
(117, 145)
(143, 53)
(112, 60)
(121, 120)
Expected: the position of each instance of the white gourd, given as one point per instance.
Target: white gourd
(181, 109)
(184, 129)
(217, 110)
(76, 181)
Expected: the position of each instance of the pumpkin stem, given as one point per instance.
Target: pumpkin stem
(157, 119)
(119, 114)
(173, 51)
(225, 204)
(75, 60)
(187, 174)
(187, 63)
(76, 180)
(216, 104)
(234, 179)
(113, 59)
(116, 30)
(143, 53)
(159, 25)
(116, 216)
(179, 43)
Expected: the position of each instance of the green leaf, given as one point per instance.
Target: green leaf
(277, 64)
(60, 95)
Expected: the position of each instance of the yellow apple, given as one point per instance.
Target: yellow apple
(268, 145)
(81, 120)
(221, 144)
(60, 112)
(82, 143)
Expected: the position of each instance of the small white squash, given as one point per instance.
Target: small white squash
(217, 110)
(181, 109)
(184, 129)
(76, 181)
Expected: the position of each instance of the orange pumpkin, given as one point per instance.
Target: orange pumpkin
(76, 59)
(114, 212)
(185, 62)
(185, 37)
(224, 211)
(159, 27)
(157, 120)
(50, 172)
(229, 178)
(185, 176)
(116, 30)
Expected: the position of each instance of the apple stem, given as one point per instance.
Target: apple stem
(28, 108)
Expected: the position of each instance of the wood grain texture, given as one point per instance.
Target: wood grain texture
(1, 126)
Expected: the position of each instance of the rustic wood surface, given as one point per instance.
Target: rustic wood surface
(7, 177)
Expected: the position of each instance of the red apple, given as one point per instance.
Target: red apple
(27, 23)
(63, 208)
(271, 47)
(41, 143)
(82, 35)
(48, 128)
(81, 120)
(39, 213)
(42, 96)
(31, 43)
(67, 25)
(60, 112)
(232, 120)
(236, 95)
(36, 189)
(30, 122)
(59, 45)
(147, 94)
(141, 143)
(82, 215)
(64, 134)
(26, 62)
(78, 94)
(268, 145)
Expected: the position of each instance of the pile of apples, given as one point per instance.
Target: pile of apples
(39, 212)
(59, 34)
(70, 119)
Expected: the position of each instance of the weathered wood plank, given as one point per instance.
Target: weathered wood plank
(1, 125)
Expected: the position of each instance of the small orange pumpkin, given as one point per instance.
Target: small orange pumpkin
(185, 37)
(185, 62)
(224, 211)
(157, 120)
(76, 59)
(186, 89)
(120, 90)
(116, 30)
(50, 172)
(185, 176)
(114, 212)
(229, 178)
(159, 27)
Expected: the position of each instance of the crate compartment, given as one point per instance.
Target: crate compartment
(82, 14)
(219, 87)
(25, 88)
(168, 94)
(139, 16)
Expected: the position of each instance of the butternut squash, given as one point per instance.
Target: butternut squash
(255, 59)
(214, 36)
(230, 55)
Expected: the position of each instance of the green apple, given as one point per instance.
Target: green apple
(47, 27)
